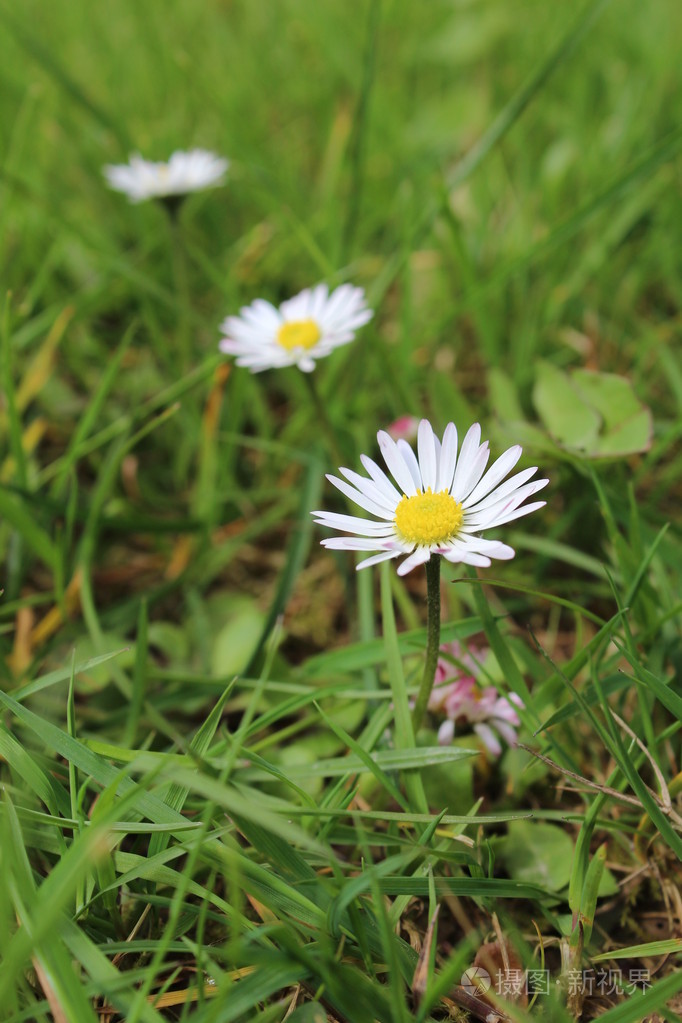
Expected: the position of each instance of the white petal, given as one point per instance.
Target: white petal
(373, 506)
(457, 557)
(477, 468)
(480, 545)
(355, 321)
(501, 552)
(240, 330)
(257, 363)
(467, 454)
(484, 517)
(513, 483)
(497, 471)
(340, 299)
(266, 353)
(376, 558)
(356, 543)
(470, 464)
(262, 315)
(370, 490)
(448, 458)
(427, 455)
(410, 460)
(229, 346)
(382, 481)
(353, 524)
(261, 361)
(256, 337)
(326, 346)
(490, 740)
(396, 464)
(526, 509)
(318, 300)
(346, 309)
(463, 548)
(419, 557)
(446, 733)
(436, 444)
(296, 308)
(507, 732)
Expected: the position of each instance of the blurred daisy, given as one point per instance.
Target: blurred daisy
(303, 329)
(458, 696)
(455, 662)
(490, 714)
(185, 172)
(404, 428)
(442, 502)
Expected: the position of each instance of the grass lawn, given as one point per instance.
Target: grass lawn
(217, 803)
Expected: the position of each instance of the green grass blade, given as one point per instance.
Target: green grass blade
(49, 62)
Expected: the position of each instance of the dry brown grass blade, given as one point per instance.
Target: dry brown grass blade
(49, 992)
(191, 994)
(41, 366)
(421, 973)
(48, 625)
(476, 1007)
(605, 789)
(21, 656)
(664, 800)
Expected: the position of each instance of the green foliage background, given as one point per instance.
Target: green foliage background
(503, 178)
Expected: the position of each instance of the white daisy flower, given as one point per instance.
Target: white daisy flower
(442, 503)
(303, 329)
(185, 172)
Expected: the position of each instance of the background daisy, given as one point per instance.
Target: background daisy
(141, 179)
(458, 696)
(298, 333)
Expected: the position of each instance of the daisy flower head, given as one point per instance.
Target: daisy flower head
(458, 697)
(492, 716)
(439, 501)
(141, 179)
(298, 332)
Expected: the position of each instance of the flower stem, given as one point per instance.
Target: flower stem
(432, 639)
(324, 422)
(181, 284)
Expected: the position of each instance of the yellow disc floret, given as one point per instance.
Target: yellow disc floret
(298, 334)
(427, 518)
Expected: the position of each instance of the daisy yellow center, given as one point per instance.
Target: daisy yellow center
(427, 518)
(298, 334)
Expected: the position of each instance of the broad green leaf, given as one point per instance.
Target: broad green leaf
(311, 1012)
(627, 423)
(538, 853)
(237, 640)
(571, 422)
(594, 414)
